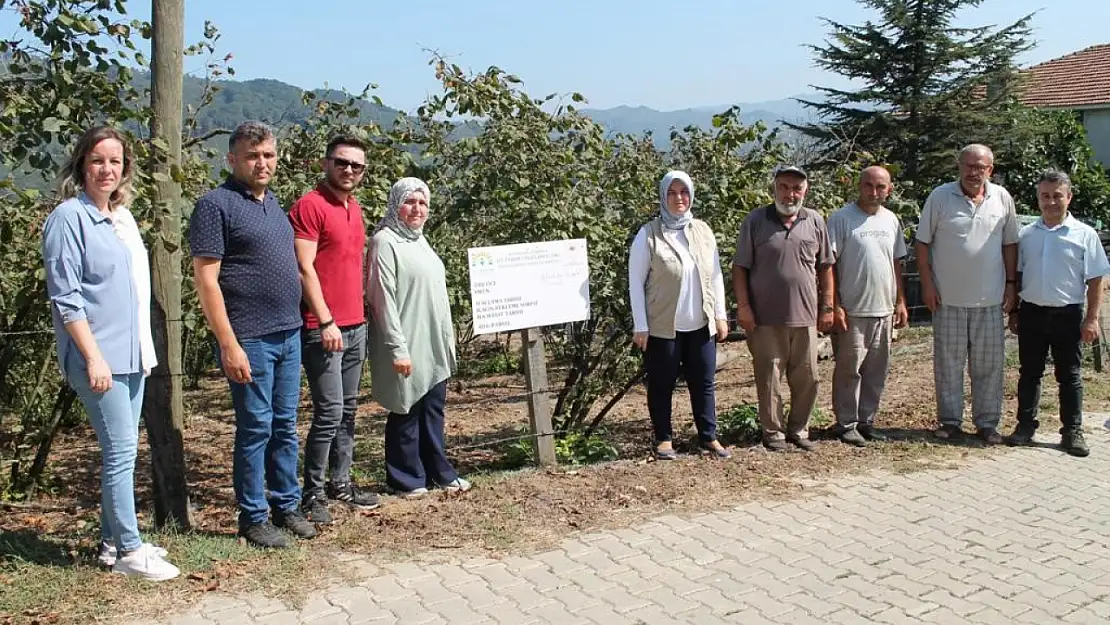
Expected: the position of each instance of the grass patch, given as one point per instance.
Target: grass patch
(820, 419)
(573, 448)
(915, 333)
(62, 574)
(371, 448)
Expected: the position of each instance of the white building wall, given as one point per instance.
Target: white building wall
(1097, 123)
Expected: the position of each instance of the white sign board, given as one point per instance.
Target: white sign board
(529, 285)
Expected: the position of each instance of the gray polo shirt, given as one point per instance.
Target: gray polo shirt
(782, 265)
(866, 248)
(965, 243)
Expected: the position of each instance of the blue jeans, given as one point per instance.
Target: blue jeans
(266, 426)
(114, 416)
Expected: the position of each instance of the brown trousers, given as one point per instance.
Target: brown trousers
(779, 350)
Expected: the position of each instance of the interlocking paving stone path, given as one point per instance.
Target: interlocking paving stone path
(1020, 537)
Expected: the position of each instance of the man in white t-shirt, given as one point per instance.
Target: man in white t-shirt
(967, 256)
(868, 245)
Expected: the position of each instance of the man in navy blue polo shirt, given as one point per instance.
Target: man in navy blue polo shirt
(1061, 265)
(250, 290)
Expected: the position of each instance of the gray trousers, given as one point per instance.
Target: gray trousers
(333, 378)
(975, 337)
(862, 358)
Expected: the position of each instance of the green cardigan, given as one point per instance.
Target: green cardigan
(407, 287)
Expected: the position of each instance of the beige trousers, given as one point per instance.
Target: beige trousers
(778, 351)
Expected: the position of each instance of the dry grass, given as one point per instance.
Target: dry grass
(47, 574)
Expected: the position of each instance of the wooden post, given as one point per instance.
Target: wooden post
(1100, 340)
(163, 409)
(539, 403)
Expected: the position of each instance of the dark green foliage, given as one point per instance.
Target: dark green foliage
(1042, 139)
(928, 88)
(739, 424)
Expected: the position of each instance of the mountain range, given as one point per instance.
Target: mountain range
(639, 119)
(280, 103)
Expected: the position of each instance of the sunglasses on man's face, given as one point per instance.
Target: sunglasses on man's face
(342, 163)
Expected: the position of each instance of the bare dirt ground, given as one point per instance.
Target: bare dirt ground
(46, 569)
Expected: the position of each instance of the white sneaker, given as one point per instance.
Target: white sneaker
(146, 563)
(458, 485)
(107, 555)
(415, 493)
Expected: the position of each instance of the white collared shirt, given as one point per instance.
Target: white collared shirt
(1056, 262)
(128, 231)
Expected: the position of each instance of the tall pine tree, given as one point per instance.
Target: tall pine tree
(927, 87)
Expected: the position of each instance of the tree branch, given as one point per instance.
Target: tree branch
(190, 142)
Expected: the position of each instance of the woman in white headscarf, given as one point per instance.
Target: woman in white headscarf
(677, 293)
(412, 343)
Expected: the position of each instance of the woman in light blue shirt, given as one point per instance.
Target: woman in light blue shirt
(98, 281)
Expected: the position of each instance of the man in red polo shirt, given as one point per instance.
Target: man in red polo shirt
(330, 242)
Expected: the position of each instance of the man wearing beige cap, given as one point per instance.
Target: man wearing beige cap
(782, 252)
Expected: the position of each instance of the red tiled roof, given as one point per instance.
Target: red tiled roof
(1077, 80)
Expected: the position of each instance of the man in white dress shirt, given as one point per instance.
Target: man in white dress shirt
(1061, 264)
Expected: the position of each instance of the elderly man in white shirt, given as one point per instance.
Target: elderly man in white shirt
(967, 259)
(1061, 264)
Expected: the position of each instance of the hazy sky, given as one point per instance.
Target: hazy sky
(665, 55)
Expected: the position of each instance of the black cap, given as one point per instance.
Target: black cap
(789, 169)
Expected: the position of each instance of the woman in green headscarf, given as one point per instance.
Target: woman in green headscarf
(412, 343)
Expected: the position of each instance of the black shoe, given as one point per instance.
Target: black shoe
(315, 509)
(1073, 443)
(774, 444)
(295, 522)
(353, 496)
(949, 433)
(802, 443)
(264, 535)
(989, 436)
(868, 431)
(1022, 435)
(852, 436)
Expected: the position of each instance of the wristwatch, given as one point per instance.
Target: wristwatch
(827, 309)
